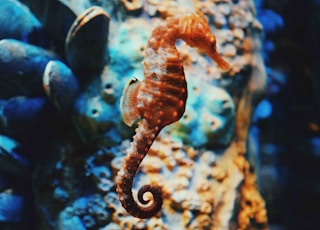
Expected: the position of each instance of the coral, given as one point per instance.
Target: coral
(252, 205)
(164, 8)
(100, 171)
(89, 212)
(132, 5)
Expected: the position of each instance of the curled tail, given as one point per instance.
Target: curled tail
(124, 180)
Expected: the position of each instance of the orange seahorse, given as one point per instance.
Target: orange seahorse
(159, 100)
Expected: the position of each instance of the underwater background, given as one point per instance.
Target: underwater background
(245, 155)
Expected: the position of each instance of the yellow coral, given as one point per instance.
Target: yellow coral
(252, 205)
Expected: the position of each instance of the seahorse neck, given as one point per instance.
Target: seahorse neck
(161, 48)
(165, 35)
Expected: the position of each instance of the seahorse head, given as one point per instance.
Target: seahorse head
(209, 46)
(196, 33)
(195, 30)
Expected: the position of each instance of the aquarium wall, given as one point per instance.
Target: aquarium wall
(212, 104)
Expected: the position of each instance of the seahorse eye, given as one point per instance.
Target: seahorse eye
(213, 40)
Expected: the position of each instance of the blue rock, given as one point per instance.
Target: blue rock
(87, 40)
(61, 85)
(60, 194)
(16, 21)
(80, 206)
(12, 207)
(263, 110)
(88, 221)
(21, 68)
(55, 16)
(315, 144)
(68, 221)
(270, 20)
(11, 162)
(258, 3)
(19, 114)
(94, 117)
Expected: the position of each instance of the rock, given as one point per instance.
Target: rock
(17, 21)
(60, 85)
(87, 40)
(20, 114)
(21, 68)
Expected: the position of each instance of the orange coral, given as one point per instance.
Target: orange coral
(252, 205)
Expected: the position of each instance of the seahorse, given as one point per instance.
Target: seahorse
(159, 100)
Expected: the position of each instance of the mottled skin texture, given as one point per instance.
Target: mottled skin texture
(160, 100)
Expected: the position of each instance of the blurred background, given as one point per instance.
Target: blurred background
(287, 120)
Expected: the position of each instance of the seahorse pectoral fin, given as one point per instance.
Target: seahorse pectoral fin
(129, 103)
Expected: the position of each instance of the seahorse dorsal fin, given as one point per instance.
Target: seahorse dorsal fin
(129, 102)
